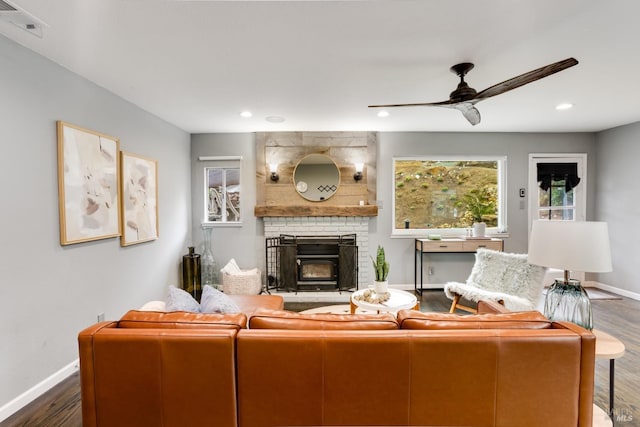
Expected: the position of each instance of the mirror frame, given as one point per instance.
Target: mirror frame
(296, 183)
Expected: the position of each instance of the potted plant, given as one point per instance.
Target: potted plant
(479, 202)
(381, 269)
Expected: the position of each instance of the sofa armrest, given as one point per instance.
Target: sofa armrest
(87, 371)
(587, 367)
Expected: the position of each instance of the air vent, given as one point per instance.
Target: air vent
(19, 17)
(4, 6)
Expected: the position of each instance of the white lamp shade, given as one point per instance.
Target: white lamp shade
(571, 245)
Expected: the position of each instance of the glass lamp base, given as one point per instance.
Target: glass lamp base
(568, 301)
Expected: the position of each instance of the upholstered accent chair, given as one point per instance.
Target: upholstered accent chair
(503, 277)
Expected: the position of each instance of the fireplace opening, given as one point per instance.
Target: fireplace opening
(312, 263)
(317, 269)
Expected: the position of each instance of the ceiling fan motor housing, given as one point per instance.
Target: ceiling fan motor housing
(462, 93)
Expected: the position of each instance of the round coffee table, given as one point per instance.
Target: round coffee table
(399, 300)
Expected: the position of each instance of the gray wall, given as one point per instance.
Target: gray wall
(246, 243)
(618, 151)
(48, 293)
(516, 146)
(243, 242)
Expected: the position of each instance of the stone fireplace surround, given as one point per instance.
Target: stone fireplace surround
(330, 226)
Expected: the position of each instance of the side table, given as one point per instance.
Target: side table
(609, 347)
(600, 418)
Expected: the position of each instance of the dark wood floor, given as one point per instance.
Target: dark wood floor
(60, 407)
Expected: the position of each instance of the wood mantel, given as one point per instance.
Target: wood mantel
(316, 210)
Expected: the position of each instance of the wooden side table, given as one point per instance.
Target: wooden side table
(609, 347)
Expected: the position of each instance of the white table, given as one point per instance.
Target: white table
(399, 300)
(600, 418)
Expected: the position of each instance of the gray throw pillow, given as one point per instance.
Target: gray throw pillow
(180, 300)
(214, 301)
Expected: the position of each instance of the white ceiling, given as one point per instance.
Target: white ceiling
(318, 64)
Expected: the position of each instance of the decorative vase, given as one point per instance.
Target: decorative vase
(479, 229)
(191, 273)
(381, 287)
(568, 301)
(209, 267)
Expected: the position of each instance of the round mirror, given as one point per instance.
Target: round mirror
(316, 177)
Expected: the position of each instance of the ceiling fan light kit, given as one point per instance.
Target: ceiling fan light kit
(464, 97)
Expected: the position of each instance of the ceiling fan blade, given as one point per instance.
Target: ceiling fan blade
(424, 104)
(525, 78)
(469, 112)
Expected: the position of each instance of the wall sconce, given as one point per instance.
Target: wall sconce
(273, 168)
(358, 175)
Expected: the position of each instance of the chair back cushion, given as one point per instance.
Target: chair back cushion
(507, 273)
(280, 319)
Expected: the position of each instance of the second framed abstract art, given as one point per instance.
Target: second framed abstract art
(139, 199)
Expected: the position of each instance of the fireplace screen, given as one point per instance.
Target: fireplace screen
(312, 263)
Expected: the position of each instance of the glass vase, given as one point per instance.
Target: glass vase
(209, 267)
(568, 301)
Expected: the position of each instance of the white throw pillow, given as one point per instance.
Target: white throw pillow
(251, 272)
(214, 301)
(154, 306)
(231, 268)
(180, 300)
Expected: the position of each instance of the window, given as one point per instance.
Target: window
(222, 191)
(448, 194)
(556, 183)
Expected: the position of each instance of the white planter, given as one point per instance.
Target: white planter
(479, 229)
(381, 287)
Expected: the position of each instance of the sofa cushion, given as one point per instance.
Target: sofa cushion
(412, 319)
(214, 301)
(280, 319)
(181, 300)
(181, 320)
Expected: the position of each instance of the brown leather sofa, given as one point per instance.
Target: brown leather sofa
(419, 369)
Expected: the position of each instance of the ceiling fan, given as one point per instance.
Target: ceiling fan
(464, 97)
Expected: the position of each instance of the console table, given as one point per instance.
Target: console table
(459, 245)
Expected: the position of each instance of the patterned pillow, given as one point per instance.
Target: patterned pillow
(180, 300)
(214, 301)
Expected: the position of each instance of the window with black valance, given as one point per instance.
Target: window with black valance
(549, 172)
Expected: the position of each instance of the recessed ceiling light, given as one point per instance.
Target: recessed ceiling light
(274, 119)
(564, 106)
(383, 113)
(246, 114)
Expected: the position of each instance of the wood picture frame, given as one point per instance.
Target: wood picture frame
(139, 199)
(88, 184)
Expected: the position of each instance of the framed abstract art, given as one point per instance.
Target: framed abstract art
(139, 199)
(88, 183)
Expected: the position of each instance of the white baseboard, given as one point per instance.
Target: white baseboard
(614, 290)
(37, 390)
(411, 287)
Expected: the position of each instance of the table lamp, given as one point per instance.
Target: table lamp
(570, 246)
